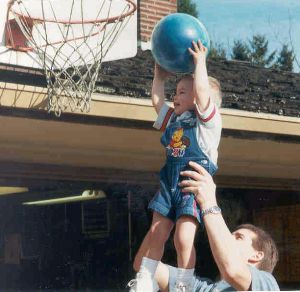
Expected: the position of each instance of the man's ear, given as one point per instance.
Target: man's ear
(256, 257)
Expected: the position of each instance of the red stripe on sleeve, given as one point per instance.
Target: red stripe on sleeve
(209, 117)
(166, 119)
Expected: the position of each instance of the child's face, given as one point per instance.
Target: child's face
(184, 98)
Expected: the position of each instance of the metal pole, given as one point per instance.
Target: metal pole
(129, 225)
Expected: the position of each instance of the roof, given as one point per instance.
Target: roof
(245, 86)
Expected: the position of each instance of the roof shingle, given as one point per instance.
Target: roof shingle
(245, 86)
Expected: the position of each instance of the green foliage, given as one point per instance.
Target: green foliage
(256, 51)
(285, 59)
(217, 52)
(240, 51)
(186, 6)
(259, 51)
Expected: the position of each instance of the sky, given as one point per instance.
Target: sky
(229, 20)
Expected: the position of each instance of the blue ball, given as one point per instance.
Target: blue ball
(171, 38)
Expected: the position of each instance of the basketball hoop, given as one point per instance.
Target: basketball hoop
(70, 38)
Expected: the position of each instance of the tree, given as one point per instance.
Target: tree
(285, 59)
(240, 51)
(186, 6)
(217, 52)
(259, 51)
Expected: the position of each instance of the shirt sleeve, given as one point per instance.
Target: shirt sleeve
(163, 117)
(210, 117)
(262, 281)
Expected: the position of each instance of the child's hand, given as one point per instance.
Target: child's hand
(160, 72)
(198, 52)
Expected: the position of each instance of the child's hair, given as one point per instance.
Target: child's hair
(214, 85)
(186, 76)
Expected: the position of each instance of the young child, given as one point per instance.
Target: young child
(192, 131)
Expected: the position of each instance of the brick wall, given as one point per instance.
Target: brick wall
(150, 12)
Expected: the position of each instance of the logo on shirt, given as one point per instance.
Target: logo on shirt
(178, 144)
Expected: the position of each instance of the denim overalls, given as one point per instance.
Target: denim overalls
(180, 142)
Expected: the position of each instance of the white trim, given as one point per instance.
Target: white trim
(121, 99)
(223, 111)
(104, 105)
(265, 116)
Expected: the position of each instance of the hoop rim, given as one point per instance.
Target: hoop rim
(28, 48)
(103, 20)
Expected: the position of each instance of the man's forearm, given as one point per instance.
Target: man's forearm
(232, 266)
(225, 252)
(162, 277)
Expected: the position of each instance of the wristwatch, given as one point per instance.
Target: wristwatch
(211, 210)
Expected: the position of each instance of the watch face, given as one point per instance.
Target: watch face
(212, 210)
(216, 210)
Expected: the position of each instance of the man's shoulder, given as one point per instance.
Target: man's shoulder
(207, 285)
(199, 285)
(262, 280)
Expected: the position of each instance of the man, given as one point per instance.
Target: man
(245, 258)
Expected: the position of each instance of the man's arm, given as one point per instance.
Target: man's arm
(201, 83)
(232, 266)
(158, 87)
(162, 277)
(262, 281)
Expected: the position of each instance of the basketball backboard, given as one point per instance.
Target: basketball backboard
(72, 11)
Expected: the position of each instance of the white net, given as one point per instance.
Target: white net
(70, 38)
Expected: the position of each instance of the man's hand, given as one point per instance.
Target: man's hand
(201, 184)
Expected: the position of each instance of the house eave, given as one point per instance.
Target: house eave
(117, 136)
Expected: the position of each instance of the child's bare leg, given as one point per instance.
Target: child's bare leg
(158, 235)
(149, 254)
(186, 227)
(142, 252)
(144, 249)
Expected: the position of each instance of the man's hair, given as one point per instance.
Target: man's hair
(265, 243)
